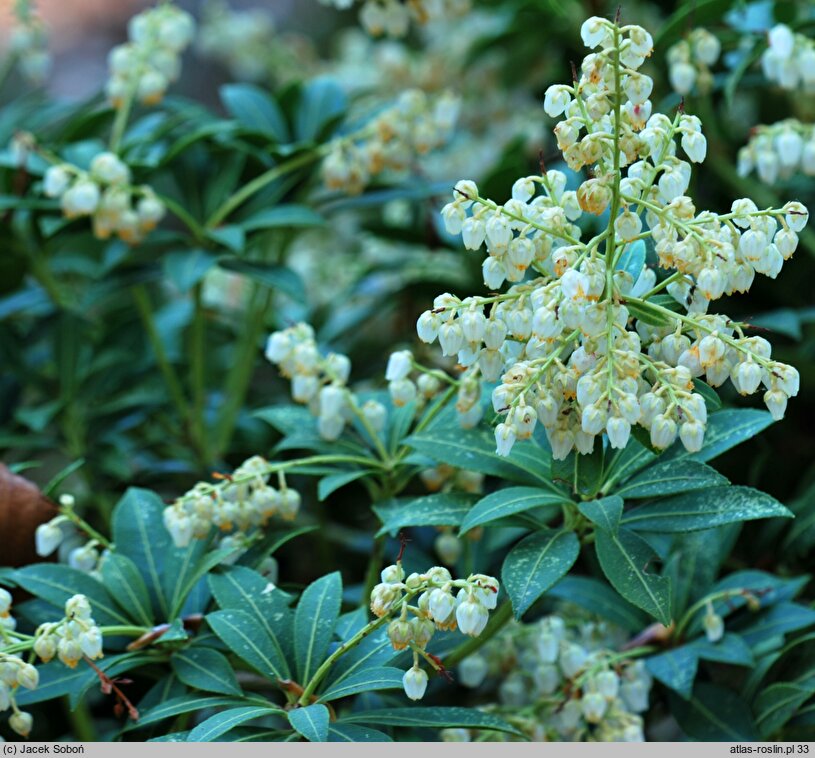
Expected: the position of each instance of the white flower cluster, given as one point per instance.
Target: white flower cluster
(789, 59)
(73, 638)
(392, 141)
(50, 535)
(146, 65)
(14, 672)
(436, 608)
(105, 193)
(778, 151)
(493, 115)
(576, 347)
(321, 382)
(690, 61)
(393, 17)
(29, 44)
(243, 501)
(566, 677)
(428, 383)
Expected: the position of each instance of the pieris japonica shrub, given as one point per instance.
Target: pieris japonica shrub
(333, 444)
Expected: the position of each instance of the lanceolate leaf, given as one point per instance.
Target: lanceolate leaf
(311, 721)
(223, 722)
(255, 109)
(725, 429)
(475, 450)
(628, 562)
(442, 509)
(597, 597)
(675, 669)
(355, 733)
(670, 478)
(182, 704)
(56, 584)
(241, 588)
(508, 502)
(779, 702)
(139, 533)
(205, 669)
(605, 513)
(123, 581)
(430, 717)
(367, 680)
(714, 714)
(535, 564)
(314, 622)
(252, 641)
(731, 648)
(704, 509)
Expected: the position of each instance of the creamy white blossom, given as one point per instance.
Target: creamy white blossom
(574, 339)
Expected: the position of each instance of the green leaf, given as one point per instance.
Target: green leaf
(367, 680)
(474, 450)
(268, 274)
(627, 560)
(598, 598)
(778, 703)
(675, 668)
(671, 477)
(626, 462)
(374, 651)
(139, 533)
(180, 705)
(241, 588)
(714, 714)
(632, 259)
(56, 584)
(185, 268)
(314, 622)
(322, 100)
(712, 399)
(604, 513)
(730, 649)
(779, 620)
(440, 509)
(247, 638)
(205, 669)
(255, 109)
(231, 236)
(725, 429)
(430, 717)
(535, 564)
(331, 483)
(767, 589)
(124, 583)
(283, 216)
(311, 721)
(221, 723)
(508, 502)
(694, 562)
(354, 733)
(185, 570)
(642, 311)
(704, 509)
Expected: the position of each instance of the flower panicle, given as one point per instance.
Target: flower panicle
(578, 339)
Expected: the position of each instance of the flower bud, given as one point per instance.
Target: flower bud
(21, 723)
(415, 683)
(400, 633)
